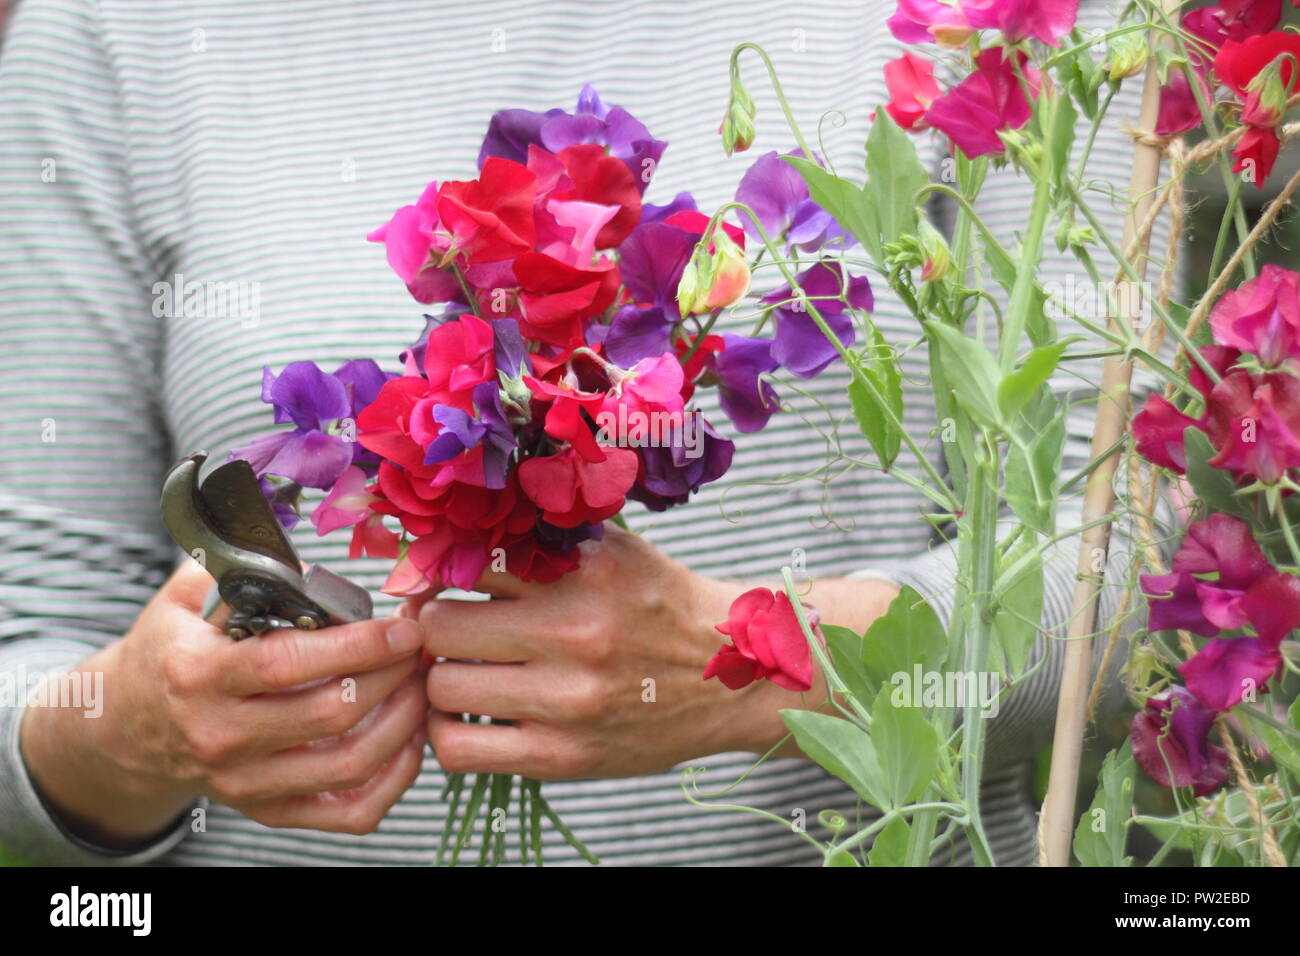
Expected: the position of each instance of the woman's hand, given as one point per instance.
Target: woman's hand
(320, 729)
(600, 673)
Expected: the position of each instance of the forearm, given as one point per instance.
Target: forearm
(854, 604)
(76, 764)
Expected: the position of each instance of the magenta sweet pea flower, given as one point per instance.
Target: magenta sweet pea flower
(411, 243)
(1233, 20)
(1158, 429)
(989, 100)
(1262, 316)
(1254, 423)
(1171, 743)
(1045, 20)
(912, 90)
(1222, 671)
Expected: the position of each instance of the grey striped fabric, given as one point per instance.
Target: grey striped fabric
(244, 142)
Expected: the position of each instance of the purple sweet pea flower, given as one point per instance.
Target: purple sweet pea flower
(748, 401)
(460, 432)
(282, 499)
(673, 472)
(309, 398)
(780, 199)
(682, 202)
(508, 349)
(800, 345)
(562, 539)
(613, 127)
(651, 262)
(634, 334)
(1171, 743)
(511, 132)
(313, 400)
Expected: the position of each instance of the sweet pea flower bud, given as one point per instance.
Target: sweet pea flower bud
(737, 127)
(730, 279)
(1266, 95)
(1127, 56)
(714, 280)
(935, 256)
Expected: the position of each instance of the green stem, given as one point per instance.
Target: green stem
(777, 88)
(982, 545)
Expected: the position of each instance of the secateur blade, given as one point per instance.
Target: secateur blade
(226, 524)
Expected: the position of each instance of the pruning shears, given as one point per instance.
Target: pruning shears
(226, 523)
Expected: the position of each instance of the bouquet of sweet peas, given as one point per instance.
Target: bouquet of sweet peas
(556, 380)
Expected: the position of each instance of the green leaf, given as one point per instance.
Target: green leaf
(848, 203)
(894, 175)
(1281, 747)
(841, 858)
(907, 749)
(906, 636)
(1059, 138)
(1099, 838)
(1214, 486)
(845, 646)
(842, 749)
(1033, 464)
(890, 846)
(1020, 609)
(1018, 387)
(882, 370)
(975, 375)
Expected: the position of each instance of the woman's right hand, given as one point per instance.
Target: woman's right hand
(314, 729)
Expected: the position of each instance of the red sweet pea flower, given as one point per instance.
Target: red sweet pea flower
(564, 419)
(1233, 20)
(767, 643)
(605, 181)
(570, 489)
(555, 298)
(912, 89)
(1262, 71)
(1171, 743)
(699, 364)
(989, 100)
(1158, 429)
(458, 357)
(490, 218)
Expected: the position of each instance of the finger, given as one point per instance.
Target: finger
(289, 657)
(329, 709)
(504, 691)
(484, 630)
(530, 749)
(502, 584)
(188, 586)
(343, 763)
(357, 811)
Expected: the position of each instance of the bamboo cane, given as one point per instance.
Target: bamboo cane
(1056, 825)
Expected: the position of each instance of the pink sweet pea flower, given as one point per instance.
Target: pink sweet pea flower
(1171, 743)
(1046, 20)
(347, 503)
(922, 21)
(413, 244)
(1254, 423)
(767, 643)
(989, 100)
(1262, 316)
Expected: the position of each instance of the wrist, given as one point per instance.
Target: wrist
(77, 764)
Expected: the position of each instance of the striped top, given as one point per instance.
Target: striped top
(250, 147)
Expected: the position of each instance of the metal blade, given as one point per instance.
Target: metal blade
(239, 513)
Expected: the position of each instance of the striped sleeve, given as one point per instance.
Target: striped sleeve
(78, 387)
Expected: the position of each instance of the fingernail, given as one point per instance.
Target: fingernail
(405, 636)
